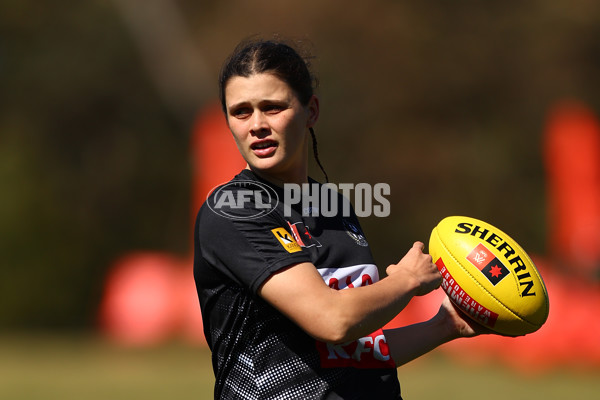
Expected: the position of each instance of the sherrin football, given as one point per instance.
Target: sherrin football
(488, 276)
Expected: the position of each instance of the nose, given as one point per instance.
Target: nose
(259, 124)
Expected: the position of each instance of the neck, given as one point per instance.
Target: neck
(298, 176)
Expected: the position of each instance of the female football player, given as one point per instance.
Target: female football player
(292, 303)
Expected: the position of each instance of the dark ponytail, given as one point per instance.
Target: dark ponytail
(316, 152)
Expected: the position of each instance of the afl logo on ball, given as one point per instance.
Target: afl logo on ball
(488, 264)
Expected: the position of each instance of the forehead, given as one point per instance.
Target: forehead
(255, 88)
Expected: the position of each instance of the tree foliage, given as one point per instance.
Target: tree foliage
(443, 100)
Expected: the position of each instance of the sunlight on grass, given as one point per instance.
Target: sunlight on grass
(83, 367)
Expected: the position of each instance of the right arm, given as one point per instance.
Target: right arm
(338, 316)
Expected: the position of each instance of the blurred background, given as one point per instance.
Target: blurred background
(107, 109)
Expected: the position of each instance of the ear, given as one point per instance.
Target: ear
(313, 111)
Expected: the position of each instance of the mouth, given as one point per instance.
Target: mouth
(264, 148)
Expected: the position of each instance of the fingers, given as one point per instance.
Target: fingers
(419, 246)
(428, 272)
(420, 266)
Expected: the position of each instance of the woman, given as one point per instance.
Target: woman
(292, 303)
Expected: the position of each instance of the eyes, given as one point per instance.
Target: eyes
(241, 113)
(273, 109)
(245, 111)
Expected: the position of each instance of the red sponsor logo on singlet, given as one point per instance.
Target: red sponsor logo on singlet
(371, 351)
(350, 277)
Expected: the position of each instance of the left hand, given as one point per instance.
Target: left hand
(458, 324)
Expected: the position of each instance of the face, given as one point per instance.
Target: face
(270, 126)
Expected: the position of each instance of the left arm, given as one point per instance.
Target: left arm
(410, 342)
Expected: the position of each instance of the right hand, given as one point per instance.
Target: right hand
(420, 267)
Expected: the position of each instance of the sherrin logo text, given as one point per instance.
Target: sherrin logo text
(507, 251)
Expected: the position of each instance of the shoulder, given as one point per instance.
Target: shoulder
(242, 198)
(243, 207)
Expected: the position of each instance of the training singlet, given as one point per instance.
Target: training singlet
(244, 233)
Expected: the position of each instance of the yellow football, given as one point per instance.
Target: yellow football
(488, 276)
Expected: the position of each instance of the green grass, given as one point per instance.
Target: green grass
(84, 368)
(436, 377)
(65, 368)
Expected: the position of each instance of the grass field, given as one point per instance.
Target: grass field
(62, 367)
